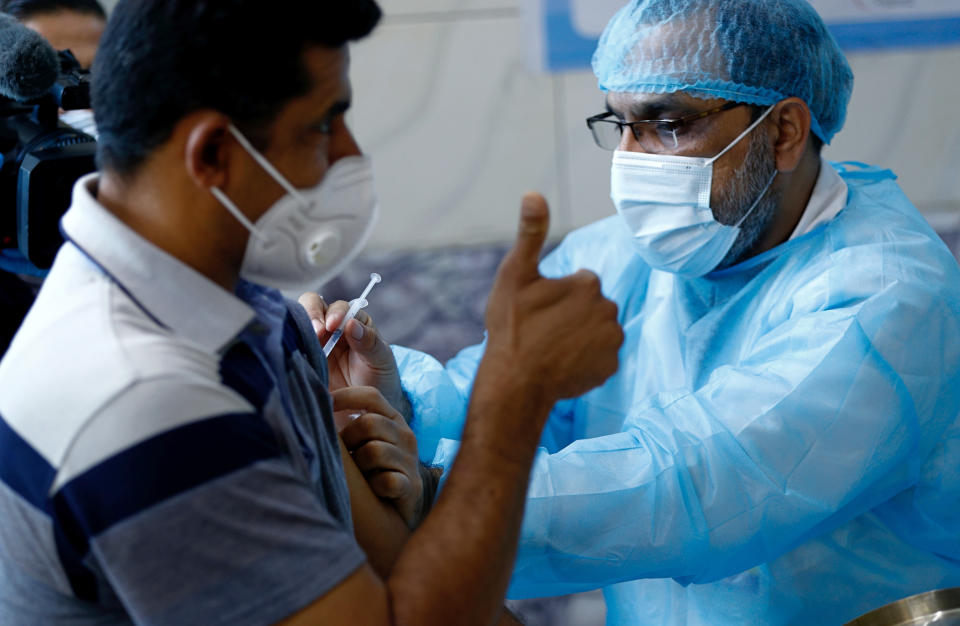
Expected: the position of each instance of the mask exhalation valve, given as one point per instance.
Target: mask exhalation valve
(324, 248)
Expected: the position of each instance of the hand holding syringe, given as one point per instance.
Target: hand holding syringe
(355, 307)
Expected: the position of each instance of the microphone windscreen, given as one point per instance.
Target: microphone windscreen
(29, 65)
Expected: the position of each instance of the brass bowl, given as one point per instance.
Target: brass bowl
(934, 608)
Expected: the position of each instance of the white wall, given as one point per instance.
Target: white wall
(903, 116)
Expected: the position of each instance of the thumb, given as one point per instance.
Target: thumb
(531, 233)
(365, 341)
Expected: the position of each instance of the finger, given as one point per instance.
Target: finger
(370, 427)
(342, 419)
(523, 258)
(365, 340)
(376, 456)
(364, 318)
(338, 310)
(547, 292)
(335, 314)
(316, 309)
(390, 485)
(583, 282)
(367, 399)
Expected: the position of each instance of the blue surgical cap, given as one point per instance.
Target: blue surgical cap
(751, 51)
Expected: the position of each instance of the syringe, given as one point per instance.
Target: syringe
(355, 307)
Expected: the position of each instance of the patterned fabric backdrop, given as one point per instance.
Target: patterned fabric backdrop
(433, 301)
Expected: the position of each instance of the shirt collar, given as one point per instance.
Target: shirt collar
(829, 197)
(174, 294)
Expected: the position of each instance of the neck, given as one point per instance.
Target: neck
(171, 222)
(796, 187)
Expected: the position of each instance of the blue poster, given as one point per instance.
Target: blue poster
(566, 31)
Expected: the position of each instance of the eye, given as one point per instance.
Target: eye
(668, 132)
(325, 126)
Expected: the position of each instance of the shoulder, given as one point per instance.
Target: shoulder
(882, 233)
(876, 197)
(162, 420)
(90, 370)
(879, 250)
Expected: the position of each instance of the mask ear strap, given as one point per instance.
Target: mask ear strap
(230, 206)
(742, 135)
(757, 201)
(265, 164)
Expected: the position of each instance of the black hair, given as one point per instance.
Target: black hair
(25, 9)
(160, 60)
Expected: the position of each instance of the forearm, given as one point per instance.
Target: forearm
(456, 567)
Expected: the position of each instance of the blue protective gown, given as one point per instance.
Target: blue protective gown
(781, 444)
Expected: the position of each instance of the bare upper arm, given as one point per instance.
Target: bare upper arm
(377, 526)
(359, 600)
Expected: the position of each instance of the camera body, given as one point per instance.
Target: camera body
(42, 158)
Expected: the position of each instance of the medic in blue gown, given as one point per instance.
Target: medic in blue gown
(781, 444)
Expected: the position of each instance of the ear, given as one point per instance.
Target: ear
(792, 120)
(206, 151)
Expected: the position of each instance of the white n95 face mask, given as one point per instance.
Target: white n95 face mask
(665, 202)
(309, 235)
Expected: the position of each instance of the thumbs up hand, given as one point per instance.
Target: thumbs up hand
(560, 337)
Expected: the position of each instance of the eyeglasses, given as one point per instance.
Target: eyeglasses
(654, 136)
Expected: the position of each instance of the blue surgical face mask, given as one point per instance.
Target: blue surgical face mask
(665, 202)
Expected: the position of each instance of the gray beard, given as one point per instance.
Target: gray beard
(739, 193)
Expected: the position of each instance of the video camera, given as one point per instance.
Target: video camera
(42, 158)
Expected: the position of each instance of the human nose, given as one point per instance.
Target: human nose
(628, 140)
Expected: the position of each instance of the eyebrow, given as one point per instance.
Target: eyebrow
(655, 108)
(339, 107)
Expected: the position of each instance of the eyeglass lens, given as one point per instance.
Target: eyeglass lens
(652, 137)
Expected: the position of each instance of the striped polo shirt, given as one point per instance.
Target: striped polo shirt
(167, 448)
